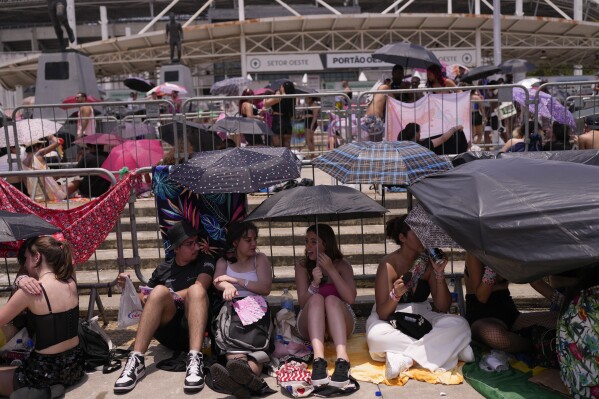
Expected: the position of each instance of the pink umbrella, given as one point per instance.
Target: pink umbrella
(101, 139)
(134, 154)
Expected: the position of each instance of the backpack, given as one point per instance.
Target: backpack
(231, 335)
(96, 352)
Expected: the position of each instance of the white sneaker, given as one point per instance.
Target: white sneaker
(396, 363)
(466, 354)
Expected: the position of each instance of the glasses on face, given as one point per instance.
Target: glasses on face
(191, 244)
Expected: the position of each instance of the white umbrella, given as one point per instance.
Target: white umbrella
(167, 89)
(29, 130)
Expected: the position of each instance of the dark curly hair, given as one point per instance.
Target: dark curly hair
(395, 227)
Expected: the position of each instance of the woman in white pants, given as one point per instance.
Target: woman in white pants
(449, 338)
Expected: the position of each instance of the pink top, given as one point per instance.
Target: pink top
(328, 289)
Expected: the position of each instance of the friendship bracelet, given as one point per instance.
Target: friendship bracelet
(489, 276)
(393, 295)
(439, 275)
(246, 283)
(18, 280)
(313, 290)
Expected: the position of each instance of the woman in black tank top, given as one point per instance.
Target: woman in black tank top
(57, 357)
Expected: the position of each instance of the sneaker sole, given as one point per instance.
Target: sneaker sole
(243, 374)
(221, 377)
(127, 389)
(193, 388)
(339, 384)
(324, 381)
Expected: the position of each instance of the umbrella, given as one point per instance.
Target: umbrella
(407, 55)
(588, 157)
(238, 124)
(167, 88)
(263, 91)
(134, 154)
(548, 107)
(317, 204)
(275, 84)
(229, 87)
(529, 83)
(429, 234)
(71, 101)
(16, 226)
(101, 139)
(198, 137)
(524, 218)
(385, 162)
(517, 65)
(237, 170)
(29, 130)
(480, 73)
(131, 130)
(138, 84)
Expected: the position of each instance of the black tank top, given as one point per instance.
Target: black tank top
(420, 295)
(52, 328)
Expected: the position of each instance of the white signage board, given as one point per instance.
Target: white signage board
(284, 62)
(365, 60)
(354, 60)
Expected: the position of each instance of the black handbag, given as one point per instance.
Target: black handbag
(411, 324)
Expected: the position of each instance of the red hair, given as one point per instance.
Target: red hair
(438, 73)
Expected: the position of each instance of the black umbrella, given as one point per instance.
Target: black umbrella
(480, 73)
(239, 124)
(275, 84)
(524, 218)
(16, 226)
(200, 138)
(588, 157)
(237, 170)
(517, 65)
(407, 55)
(317, 204)
(138, 84)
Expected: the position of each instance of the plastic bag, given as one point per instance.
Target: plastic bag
(130, 306)
(495, 361)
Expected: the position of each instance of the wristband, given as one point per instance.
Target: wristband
(246, 283)
(393, 296)
(439, 275)
(489, 276)
(18, 280)
(313, 290)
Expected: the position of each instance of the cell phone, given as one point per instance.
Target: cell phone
(406, 278)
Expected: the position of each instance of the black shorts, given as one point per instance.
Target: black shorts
(499, 306)
(477, 119)
(493, 122)
(175, 334)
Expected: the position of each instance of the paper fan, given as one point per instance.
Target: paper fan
(250, 309)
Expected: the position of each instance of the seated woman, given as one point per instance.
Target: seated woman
(248, 109)
(46, 188)
(325, 290)
(492, 313)
(449, 339)
(446, 143)
(518, 144)
(244, 273)
(57, 357)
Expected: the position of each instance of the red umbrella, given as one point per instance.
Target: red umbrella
(73, 100)
(101, 139)
(134, 154)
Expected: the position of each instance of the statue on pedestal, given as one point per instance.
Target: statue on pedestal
(174, 36)
(58, 16)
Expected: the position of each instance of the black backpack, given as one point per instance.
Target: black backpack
(96, 352)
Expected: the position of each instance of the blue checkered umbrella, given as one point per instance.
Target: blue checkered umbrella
(390, 163)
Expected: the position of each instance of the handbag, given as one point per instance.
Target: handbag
(411, 324)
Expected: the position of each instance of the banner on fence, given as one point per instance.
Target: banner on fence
(435, 113)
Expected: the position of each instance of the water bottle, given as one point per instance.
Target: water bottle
(287, 300)
(206, 346)
(453, 308)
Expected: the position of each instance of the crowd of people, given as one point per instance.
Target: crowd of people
(189, 290)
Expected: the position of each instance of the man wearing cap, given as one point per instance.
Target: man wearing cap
(590, 138)
(179, 326)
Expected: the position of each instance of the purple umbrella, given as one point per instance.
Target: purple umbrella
(549, 107)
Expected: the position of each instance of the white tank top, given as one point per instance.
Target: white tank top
(250, 276)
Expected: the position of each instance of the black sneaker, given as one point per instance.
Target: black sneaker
(319, 372)
(222, 382)
(240, 371)
(194, 376)
(133, 372)
(340, 377)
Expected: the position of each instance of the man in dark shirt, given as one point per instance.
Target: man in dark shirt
(174, 324)
(453, 141)
(93, 185)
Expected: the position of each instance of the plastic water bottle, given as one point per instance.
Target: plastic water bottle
(287, 300)
(206, 345)
(453, 308)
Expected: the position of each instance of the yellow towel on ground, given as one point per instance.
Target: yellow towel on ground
(366, 369)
